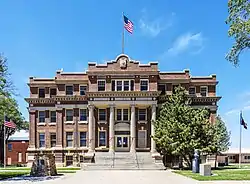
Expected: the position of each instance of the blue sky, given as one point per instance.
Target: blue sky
(40, 37)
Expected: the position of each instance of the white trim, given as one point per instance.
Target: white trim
(104, 84)
(68, 122)
(123, 102)
(105, 138)
(66, 90)
(72, 139)
(206, 90)
(41, 124)
(52, 124)
(122, 80)
(42, 108)
(71, 106)
(146, 116)
(144, 80)
(122, 109)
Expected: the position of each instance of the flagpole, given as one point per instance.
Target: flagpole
(123, 33)
(240, 143)
(4, 142)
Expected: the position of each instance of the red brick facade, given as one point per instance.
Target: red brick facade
(107, 108)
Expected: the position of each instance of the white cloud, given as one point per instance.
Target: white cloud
(237, 111)
(187, 42)
(155, 26)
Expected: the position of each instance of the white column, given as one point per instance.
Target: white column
(90, 128)
(153, 118)
(132, 129)
(111, 129)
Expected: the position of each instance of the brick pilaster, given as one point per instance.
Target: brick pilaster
(59, 127)
(32, 129)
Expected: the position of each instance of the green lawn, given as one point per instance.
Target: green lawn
(11, 174)
(223, 174)
(28, 169)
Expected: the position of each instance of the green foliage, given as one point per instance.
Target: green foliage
(239, 22)
(180, 129)
(221, 136)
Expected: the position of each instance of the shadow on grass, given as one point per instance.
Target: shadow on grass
(217, 168)
(32, 178)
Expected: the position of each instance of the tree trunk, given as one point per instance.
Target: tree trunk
(215, 162)
(188, 161)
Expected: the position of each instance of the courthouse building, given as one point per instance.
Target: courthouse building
(109, 107)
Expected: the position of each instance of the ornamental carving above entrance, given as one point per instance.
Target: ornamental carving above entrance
(123, 60)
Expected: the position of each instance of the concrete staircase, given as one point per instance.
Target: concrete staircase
(123, 161)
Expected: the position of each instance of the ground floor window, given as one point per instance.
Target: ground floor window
(81, 158)
(83, 139)
(69, 160)
(102, 138)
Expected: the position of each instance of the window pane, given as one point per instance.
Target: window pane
(144, 85)
(125, 114)
(142, 114)
(102, 114)
(52, 92)
(131, 85)
(119, 85)
(101, 85)
(119, 114)
(53, 140)
(83, 139)
(41, 140)
(126, 85)
(83, 90)
(69, 115)
(69, 90)
(102, 139)
(41, 116)
(69, 139)
(192, 91)
(83, 114)
(41, 93)
(9, 147)
(203, 91)
(53, 116)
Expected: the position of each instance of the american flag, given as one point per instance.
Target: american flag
(128, 24)
(9, 124)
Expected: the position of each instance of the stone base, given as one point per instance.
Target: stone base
(205, 169)
(89, 157)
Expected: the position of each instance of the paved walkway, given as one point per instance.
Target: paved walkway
(122, 177)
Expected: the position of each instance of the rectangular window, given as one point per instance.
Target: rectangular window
(41, 93)
(53, 116)
(162, 88)
(102, 114)
(69, 90)
(102, 138)
(203, 90)
(69, 115)
(142, 115)
(132, 85)
(101, 85)
(20, 157)
(41, 115)
(83, 114)
(52, 92)
(9, 147)
(41, 140)
(191, 90)
(69, 139)
(52, 139)
(144, 85)
(119, 114)
(118, 85)
(126, 85)
(83, 139)
(125, 114)
(83, 90)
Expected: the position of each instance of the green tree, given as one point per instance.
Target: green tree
(221, 137)
(239, 28)
(180, 129)
(8, 105)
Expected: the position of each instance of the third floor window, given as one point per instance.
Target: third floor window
(41, 93)
(83, 90)
(123, 85)
(203, 90)
(101, 85)
(69, 90)
(192, 90)
(102, 114)
(144, 85)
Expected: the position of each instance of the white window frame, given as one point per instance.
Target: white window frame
(72, 89)
(146, 116)
(206, 90)
(122, 119)
(105, 115)
(72, 139)
(40, 140)
(122, 80)
(104, 84)
(86, 139)
(80, 115)
(105, 138)
(44, 92)
(80, 89)
(71, 122)
(194, 90)
(41, 123)
(144, 80)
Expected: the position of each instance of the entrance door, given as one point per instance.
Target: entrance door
(122, 143)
